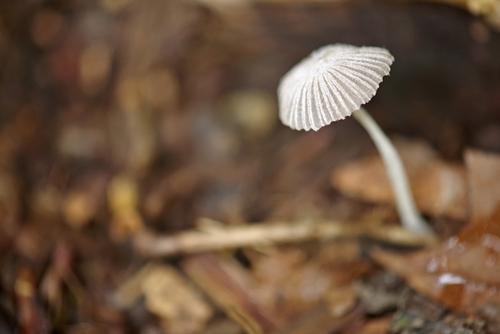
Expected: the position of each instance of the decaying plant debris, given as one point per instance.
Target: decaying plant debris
(145, 185)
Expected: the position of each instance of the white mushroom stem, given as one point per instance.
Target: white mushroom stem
(410, 217)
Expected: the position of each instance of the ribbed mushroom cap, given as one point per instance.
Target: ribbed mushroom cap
(330, 84)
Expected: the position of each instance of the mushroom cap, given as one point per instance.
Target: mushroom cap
(330, 84)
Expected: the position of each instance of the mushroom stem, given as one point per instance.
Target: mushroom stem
(405, 203)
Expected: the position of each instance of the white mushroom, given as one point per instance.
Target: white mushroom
(334, 82)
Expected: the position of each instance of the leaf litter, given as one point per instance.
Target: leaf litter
(126, 139)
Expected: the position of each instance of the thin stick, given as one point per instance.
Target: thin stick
(195, 241)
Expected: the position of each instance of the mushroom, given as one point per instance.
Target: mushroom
(333, 83)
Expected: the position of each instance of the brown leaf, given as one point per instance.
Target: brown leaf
(483, 171)
(438, 186)
(462, 273)
(448, 288)
(168, 296)
(291, 282)
(376, 326)
(320, 320)
(229, 286)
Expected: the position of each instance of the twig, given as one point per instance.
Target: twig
(226, 237)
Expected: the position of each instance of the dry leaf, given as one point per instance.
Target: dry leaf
(464, 272)
(483, 182)
(291, 282)
(229, 286)
(168, 296)
(376, 326)
(341, 301)
(439, 187)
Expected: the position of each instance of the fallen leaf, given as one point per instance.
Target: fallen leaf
(483, 183)
(168, 296)
(439, 187)
(463, 272)
(341, 301)
(229, 286)
(448, 288)
(376, 326)
(319, 320)
(291, 282)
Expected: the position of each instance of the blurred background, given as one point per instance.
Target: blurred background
(120, 116)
